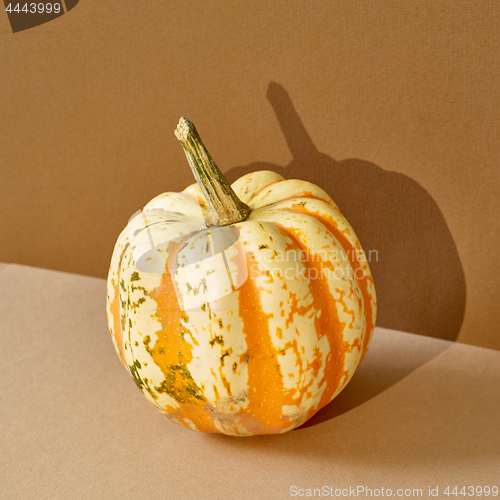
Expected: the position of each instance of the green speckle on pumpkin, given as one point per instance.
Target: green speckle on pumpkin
(218, 339)
(138, 303)
(225, 353)
(141, 384)
(180, 385)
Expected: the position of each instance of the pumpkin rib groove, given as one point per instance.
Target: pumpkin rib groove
(351, 253)
(115, 309)
(264, 187)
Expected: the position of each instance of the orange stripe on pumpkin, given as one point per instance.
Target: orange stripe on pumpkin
(266, 394)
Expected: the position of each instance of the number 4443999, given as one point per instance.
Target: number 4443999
(34, 8)
(471, 491)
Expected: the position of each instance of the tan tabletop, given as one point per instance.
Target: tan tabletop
(419, 413)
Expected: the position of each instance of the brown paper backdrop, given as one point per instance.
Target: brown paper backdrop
(392, 106)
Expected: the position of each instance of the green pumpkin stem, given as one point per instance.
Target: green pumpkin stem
(224, 206)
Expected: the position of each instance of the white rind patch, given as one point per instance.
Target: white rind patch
(221, 343)
(248, 185)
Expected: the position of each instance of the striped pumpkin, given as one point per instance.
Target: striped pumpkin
(240, 309)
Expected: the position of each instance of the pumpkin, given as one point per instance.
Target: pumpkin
(240, 309)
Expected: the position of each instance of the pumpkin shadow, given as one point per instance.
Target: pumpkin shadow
(383, 366)
(415, 264)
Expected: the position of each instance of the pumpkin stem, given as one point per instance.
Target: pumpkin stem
(224, 206)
